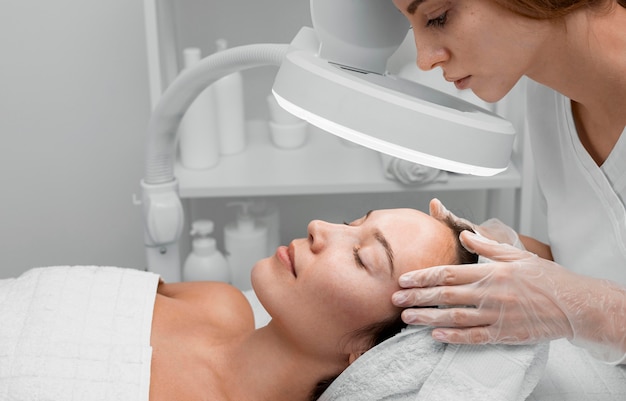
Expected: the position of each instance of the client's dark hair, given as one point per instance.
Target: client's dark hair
(381, 331)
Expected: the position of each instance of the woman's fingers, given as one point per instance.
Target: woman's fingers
(444, 275)
(449, 317)
(464, 274)
(438, 295)
(491, 249)
(473, 335)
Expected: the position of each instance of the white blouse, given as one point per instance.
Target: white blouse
(585, 203)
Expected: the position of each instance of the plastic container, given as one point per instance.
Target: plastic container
(197, 134)
(205, 262)
(289, 136)
(245, 242)
(231, 120)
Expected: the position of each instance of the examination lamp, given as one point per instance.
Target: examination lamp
(333, 76)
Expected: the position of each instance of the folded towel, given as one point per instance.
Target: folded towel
(486, 372)
(410, 173)
(76, 333)
(412, 366)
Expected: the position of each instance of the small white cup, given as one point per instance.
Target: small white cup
(278, 114)
(289, 136)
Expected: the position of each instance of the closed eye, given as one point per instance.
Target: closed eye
(357, 258)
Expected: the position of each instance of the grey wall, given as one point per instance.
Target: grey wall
(73, 110)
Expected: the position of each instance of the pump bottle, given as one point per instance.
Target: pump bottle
(205, 262)
(246, 243)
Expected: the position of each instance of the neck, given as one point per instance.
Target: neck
(584, 59)
(266, 366)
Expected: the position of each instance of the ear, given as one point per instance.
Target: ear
(357, 346)
(359, 350)
(354, 356)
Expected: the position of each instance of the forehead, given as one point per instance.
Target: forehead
(417, 239)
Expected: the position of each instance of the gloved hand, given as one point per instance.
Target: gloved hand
(519, 298)
(493, 228)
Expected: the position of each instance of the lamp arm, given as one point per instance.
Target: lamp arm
(174, 102)
(162, 209)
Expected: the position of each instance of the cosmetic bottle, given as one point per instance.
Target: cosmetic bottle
(197, 133)
(266, 213)
(205, 262)
(245, 242)
(229, 102)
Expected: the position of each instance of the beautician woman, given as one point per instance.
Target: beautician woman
(574, 53)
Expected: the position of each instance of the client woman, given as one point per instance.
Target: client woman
(72, 333)
(329, 298)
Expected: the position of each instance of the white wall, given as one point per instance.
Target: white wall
(73, 110)
(74, 105)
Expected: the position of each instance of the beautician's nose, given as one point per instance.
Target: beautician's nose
(429, 54)
(319, 234)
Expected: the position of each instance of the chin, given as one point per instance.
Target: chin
(262, 279)
(256, 275)
(489, 97)
(494, 92)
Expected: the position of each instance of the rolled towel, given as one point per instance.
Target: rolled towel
(408, 172)
(411, 366)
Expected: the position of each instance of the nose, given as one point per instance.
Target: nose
(320, 233)
(429, 53)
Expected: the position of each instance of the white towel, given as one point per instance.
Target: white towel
(412, 366)
(76, 334)
(261, 317)
(409, 173)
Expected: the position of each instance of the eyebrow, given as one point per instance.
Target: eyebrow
(413, 6)
(383, 241)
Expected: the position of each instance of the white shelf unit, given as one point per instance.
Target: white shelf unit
(324, 165)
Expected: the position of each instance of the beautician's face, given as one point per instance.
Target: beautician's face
(478, 44)
(341, 277)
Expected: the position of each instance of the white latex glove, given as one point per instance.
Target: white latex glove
(519, 298)
(493, 228)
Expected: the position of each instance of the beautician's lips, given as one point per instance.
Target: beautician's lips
(285, 255)
(462, 83)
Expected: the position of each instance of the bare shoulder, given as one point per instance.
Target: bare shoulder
(191, 323)
(218, 304)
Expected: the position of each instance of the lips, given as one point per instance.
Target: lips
(462, 83)
(459, 82)
(286, 256)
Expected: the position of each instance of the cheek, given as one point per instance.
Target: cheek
(359, 302)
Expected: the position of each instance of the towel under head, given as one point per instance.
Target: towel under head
(413, 366)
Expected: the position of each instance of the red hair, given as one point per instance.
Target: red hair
(551, 9)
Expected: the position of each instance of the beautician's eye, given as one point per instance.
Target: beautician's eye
(438, 22)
